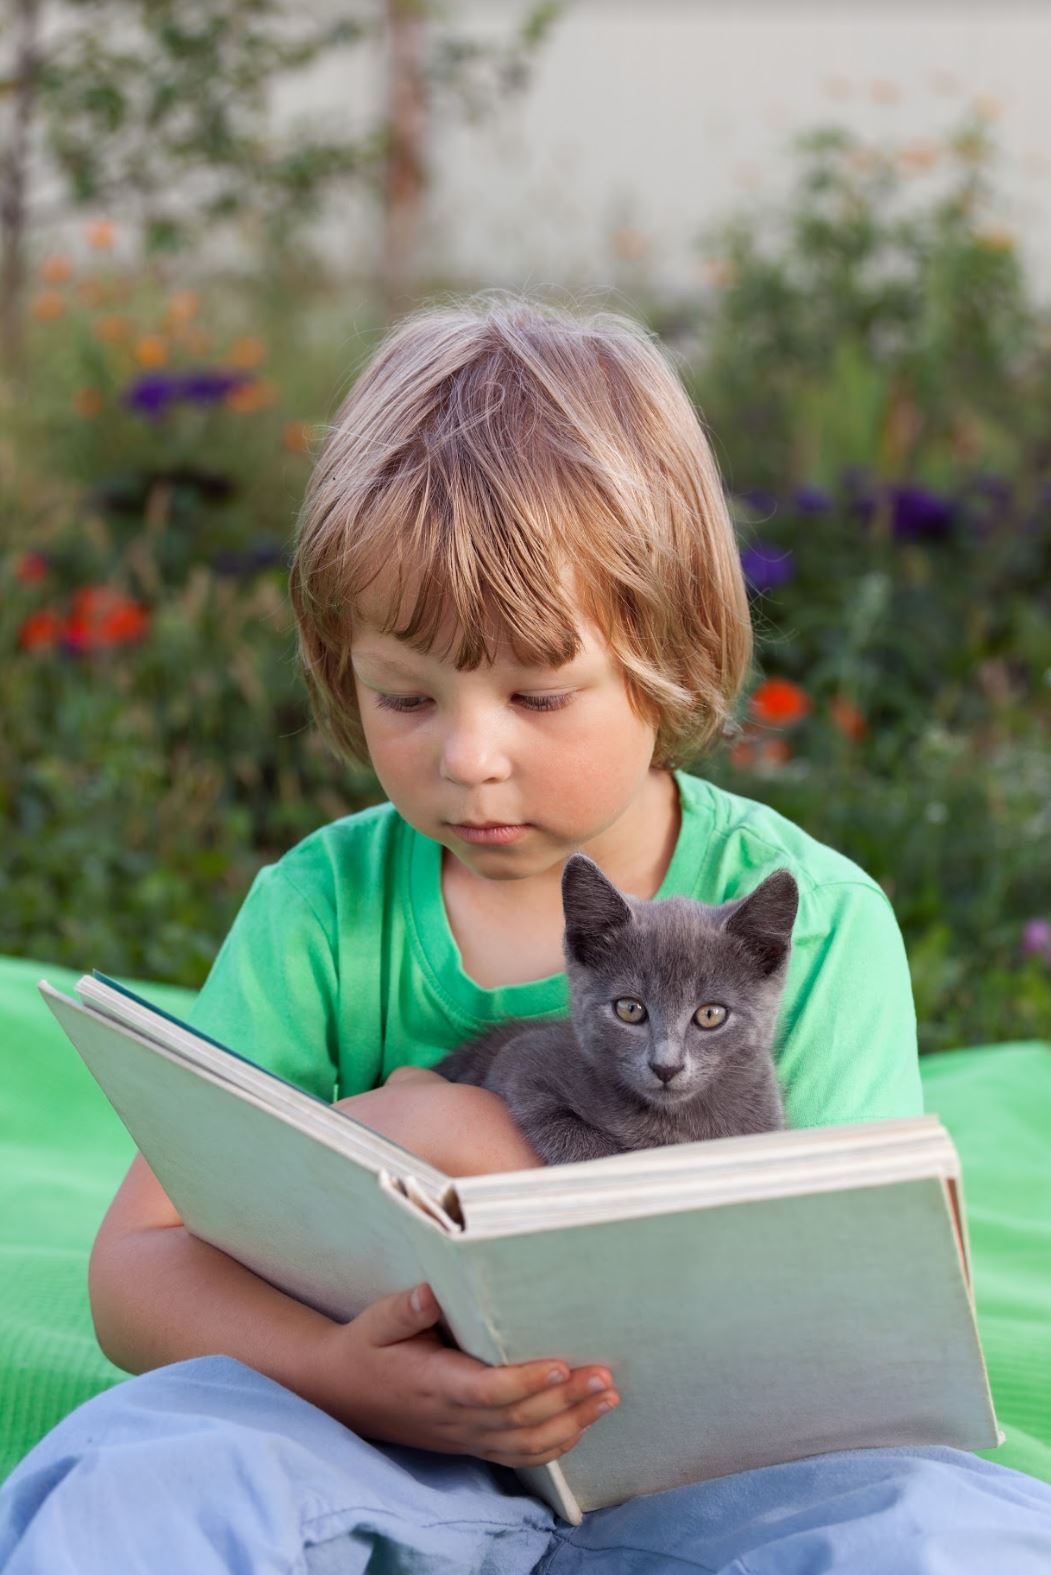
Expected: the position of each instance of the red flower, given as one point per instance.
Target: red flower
(40, 629)
(103, 617)
(32, 566)
(847, 717)
(779, 702)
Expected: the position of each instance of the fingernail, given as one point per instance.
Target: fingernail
(416, 1299)
(596, 1385)
(555, 1377)
(606, 1405)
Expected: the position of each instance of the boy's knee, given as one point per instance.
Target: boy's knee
(482, 1137)
(461, 1129)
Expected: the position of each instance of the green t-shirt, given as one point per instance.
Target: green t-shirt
(341, 965)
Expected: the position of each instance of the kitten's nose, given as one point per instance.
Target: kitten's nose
(665, 1073)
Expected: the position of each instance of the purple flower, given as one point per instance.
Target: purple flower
(208, 386)
(920, 515)
(152, 394)
(915, 513)
(998, 487)
(766, 567)
(812, 500)
(1036, 939)
(233, 561)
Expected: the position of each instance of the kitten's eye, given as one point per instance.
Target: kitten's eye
(710, 1016)
(629, 1010)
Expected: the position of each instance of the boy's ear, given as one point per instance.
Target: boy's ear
(594, 909)
(763, 921)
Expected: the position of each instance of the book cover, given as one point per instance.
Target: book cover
(757, 1299)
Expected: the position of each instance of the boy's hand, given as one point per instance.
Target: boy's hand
(387, 1375)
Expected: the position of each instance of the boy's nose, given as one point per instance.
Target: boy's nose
(470, 759)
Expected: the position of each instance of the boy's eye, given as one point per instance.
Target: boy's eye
(413, 703)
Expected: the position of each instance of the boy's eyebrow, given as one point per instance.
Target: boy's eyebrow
(383, 661)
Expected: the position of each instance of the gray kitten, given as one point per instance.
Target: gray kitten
(670, 1037)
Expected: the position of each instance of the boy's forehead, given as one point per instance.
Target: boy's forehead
(373, 610)
(389, 652)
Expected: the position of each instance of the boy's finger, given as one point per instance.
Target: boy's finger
(479, 1385)
(576, 1395)
(535, 1445)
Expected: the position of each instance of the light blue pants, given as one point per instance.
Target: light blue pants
(206, 1466)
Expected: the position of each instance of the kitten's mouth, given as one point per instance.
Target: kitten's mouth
(666, 1092)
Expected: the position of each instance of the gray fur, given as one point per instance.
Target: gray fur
(585, 1086)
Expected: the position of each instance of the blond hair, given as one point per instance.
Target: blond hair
(487, 446)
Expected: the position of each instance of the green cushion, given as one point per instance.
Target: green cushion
(63, 1152)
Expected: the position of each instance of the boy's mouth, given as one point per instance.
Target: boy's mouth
(490, 831)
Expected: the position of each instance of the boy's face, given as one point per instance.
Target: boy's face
(469, 747)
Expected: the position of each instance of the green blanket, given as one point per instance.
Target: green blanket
(63, 1152)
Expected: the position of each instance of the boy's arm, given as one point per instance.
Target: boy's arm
(160, 1295)
(153, 1316)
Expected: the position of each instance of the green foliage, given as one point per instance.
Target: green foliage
(860, 326)
(875, 376)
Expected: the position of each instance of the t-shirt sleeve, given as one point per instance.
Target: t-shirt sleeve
(848, 1048)
(272, 991)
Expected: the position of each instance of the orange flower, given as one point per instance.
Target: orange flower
(55, 269)
(996, 239)
(988, 108)
(88, 402)
(719, 272)
(774, 752)
(295, 435)
(31, 567)
(48, 305)
(198, 341)
(100, 233)
(779, 702)
(245, 353)
(151, 350)
(629, 243)
(182, 305)
(252, 396)
(112, 328)
(91, 292)
(40, 630)
(883, 92)
(917, 156)
(847, 717)
(742, 755)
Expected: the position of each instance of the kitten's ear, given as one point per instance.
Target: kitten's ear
(594, 909)
(763, 921)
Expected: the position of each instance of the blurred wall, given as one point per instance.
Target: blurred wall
(646, 119)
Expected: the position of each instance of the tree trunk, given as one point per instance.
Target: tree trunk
(13, 173)
(405, 174)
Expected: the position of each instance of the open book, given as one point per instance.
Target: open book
(756, 1298)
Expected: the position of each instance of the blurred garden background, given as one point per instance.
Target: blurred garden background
(866, 341)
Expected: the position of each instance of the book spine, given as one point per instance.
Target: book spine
(457, 1279)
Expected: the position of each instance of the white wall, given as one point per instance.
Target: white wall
(660, 115)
